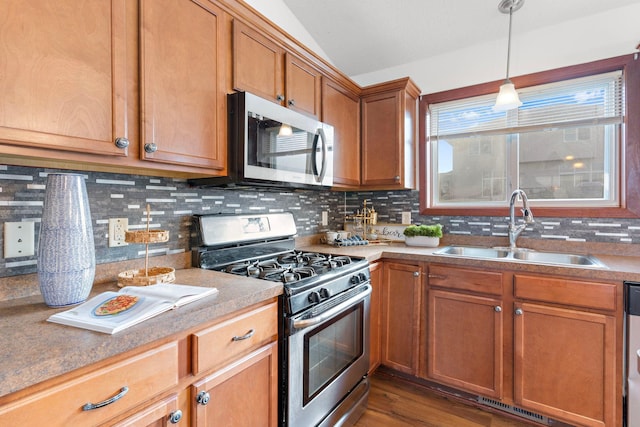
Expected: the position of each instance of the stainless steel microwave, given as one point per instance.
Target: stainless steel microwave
(271, 145)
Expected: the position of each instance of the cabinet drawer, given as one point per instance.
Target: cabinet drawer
(566, 291)
(145, 375)
(465, 279)
(221, 343)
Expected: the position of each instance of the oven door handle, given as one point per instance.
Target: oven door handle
(305, 323)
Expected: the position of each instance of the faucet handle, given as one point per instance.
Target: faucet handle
(528, 216)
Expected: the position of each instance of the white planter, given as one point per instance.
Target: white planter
(430, 242)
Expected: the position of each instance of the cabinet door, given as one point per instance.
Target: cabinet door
(465, 348)
(303, 84)
(381, 136)
(183, 100)
(401, 295)
(63, 79)
(243, 394)
(341, 109)
(565, 364)
(374, 316)
(257, 64)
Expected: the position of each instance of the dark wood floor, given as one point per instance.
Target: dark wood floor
(394, 402)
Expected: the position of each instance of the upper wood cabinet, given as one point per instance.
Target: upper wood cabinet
(389, 135)
(182, 83)
(341, 109)
(263, 67)
(63, 79)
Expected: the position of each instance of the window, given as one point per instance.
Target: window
(565, 146)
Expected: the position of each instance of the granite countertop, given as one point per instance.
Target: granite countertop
(33, 350)
(619, 268)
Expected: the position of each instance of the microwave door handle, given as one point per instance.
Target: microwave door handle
(320, 134)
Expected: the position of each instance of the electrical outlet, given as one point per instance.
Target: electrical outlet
(117, 229)
(406, 217)
(325, 218)
(18, 239)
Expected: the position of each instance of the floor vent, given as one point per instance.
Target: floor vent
(513, 410)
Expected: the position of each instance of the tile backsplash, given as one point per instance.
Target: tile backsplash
(173, 202)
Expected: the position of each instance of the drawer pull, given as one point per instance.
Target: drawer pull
(436, 276)
(175, 417)
(245, 336)
(91, 406)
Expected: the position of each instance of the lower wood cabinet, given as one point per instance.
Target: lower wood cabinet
(242, 394)
(226, 374)
(546, 344)
(465, 342)
(566, 359)
(103, 394)
(375, 322)
(401, 302)
(465, 329)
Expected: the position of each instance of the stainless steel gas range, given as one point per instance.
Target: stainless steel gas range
(324, 313)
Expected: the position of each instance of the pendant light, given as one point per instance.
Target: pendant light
(508, 97)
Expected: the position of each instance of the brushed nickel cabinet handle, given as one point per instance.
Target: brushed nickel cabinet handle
(279, 97)
(203, 398)
(519, 312)
(122, 142)
(436, 276)
(245, 336)
(175, 417)
(150, 147)
(91, 406)
(292, 102)
(497, 309)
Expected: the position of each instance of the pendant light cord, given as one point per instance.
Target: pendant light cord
(509, 41)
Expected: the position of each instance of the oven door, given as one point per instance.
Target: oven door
(328, 356)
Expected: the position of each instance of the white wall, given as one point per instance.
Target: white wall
(278, 12)
(605, 35)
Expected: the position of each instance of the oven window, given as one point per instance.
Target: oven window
(332, 348)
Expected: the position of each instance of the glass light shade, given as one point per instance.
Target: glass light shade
(285, 130)
(508, 98)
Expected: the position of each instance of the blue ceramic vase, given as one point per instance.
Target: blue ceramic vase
(66, 253)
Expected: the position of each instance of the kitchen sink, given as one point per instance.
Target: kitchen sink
(522, 255)
(473, 252)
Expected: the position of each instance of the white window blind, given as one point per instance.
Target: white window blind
(578, 102)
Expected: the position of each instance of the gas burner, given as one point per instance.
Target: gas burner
(332, 262)
(300, 258)
(293, 274)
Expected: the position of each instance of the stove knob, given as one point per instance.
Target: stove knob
(363, 277)
(314, 297)
(324, 293)
(354, 280)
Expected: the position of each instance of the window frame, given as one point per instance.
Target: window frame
(629, 160)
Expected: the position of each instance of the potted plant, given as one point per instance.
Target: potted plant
(423, 235)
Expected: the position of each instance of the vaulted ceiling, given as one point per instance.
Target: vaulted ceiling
(363, 36)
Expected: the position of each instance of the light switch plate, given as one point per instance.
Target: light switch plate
(19, 239)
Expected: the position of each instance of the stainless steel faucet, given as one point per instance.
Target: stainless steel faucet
(515, 230)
